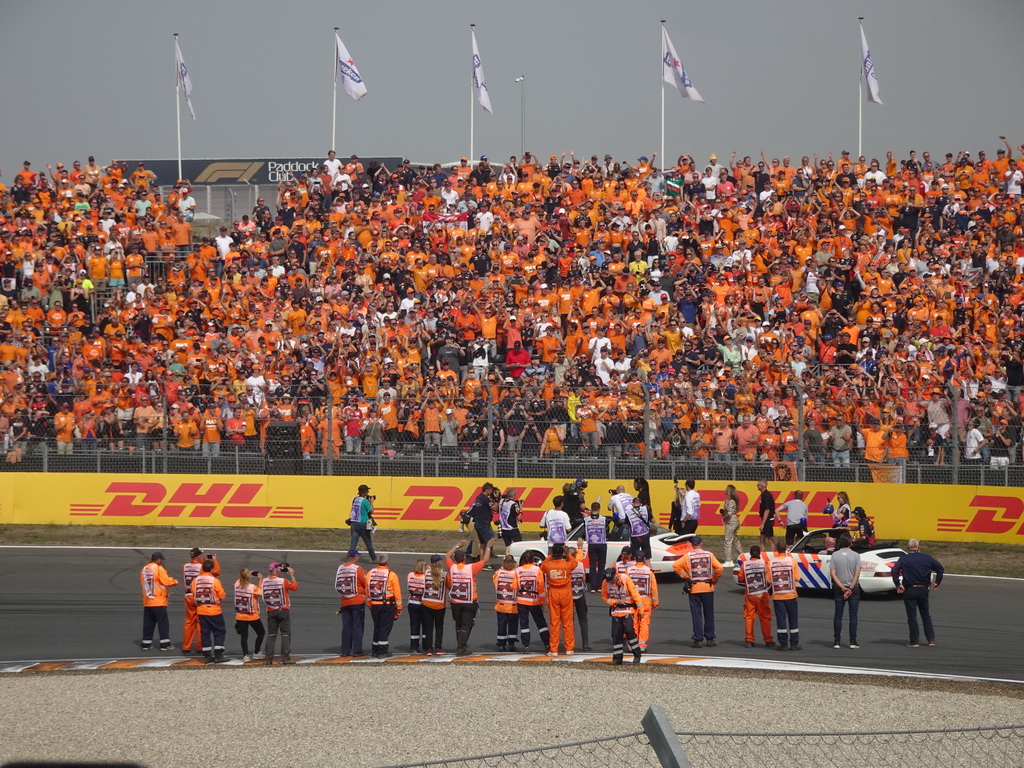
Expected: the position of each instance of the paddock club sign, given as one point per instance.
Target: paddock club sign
(250, 171)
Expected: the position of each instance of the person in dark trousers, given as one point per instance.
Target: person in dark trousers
(622, 597)
(350, 582)
(360, 520)
(155, 581)
(596, 530)
(480, 514)
(463, 594)
(208, 593)
(766, 509)
(384, 596)
(578, 579)
(845, 572)
(912, 575)
(509, 510)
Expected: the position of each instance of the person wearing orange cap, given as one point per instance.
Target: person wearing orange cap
(155, 581)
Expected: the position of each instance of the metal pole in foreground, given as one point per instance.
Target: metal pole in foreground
(334, 105)
(663, 739)
(860, 101)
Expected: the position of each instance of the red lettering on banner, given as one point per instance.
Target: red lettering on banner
(142, 499)
(422, 506)
(997, 514)
(124, 504)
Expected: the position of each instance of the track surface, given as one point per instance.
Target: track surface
(85, 604)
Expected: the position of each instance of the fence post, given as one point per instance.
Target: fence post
(330, 431)
(664, 742)
(492, 469)
(648, 432)
(46, 456)
(799, 431)
(955, 432)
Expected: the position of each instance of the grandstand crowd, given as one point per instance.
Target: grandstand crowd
(718, 309)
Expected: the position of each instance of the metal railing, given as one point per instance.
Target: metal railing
(476, 428)
(995, 747)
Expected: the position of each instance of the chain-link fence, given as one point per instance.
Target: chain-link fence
(633, 749)
(201, 418)
(992, 747)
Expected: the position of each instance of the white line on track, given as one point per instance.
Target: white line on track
(661, 659)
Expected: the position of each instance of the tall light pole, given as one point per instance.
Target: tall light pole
(522, 115)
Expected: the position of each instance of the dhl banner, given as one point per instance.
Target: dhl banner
(945, 513)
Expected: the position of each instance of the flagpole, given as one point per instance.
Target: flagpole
(177, 98)
(472, 98)
(334, 105)
(661, 80)
(860, 98)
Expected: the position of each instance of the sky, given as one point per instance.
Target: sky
(98, 78)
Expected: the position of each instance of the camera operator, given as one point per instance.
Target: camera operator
(279, 582)
(360, 519)
(574, 501)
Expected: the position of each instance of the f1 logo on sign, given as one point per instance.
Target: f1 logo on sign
(192, 500)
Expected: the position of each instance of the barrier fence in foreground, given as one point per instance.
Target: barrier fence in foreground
(658, 746)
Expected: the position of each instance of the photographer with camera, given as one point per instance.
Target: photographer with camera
(189, 571)
(360, 520)
(279, 582)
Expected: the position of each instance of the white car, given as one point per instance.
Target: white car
(666, 548)
(875, 568)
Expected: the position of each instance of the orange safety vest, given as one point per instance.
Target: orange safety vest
(382, 587)
(531, 585)
(415, 583)
(754, 576)
(247, 607)
(579, 580)
(622, 596)
(643, 579)
(207, 592)
(189, 573)
(275, 593)
(505, 583)
(350, 582)
(783, 570)
(155, 581)
(463, 583)
(435, 597)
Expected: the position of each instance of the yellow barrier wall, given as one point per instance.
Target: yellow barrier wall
(949, 513)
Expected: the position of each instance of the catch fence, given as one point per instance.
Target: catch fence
(994, 747)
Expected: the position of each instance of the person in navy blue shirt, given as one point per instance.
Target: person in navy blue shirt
(912, 575)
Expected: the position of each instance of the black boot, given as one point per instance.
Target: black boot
(219, 657)
(208, 656)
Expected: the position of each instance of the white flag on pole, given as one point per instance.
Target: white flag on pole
(183, 78)
(674, 74)
(479, 79)
(869, 69)
(351, 80)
